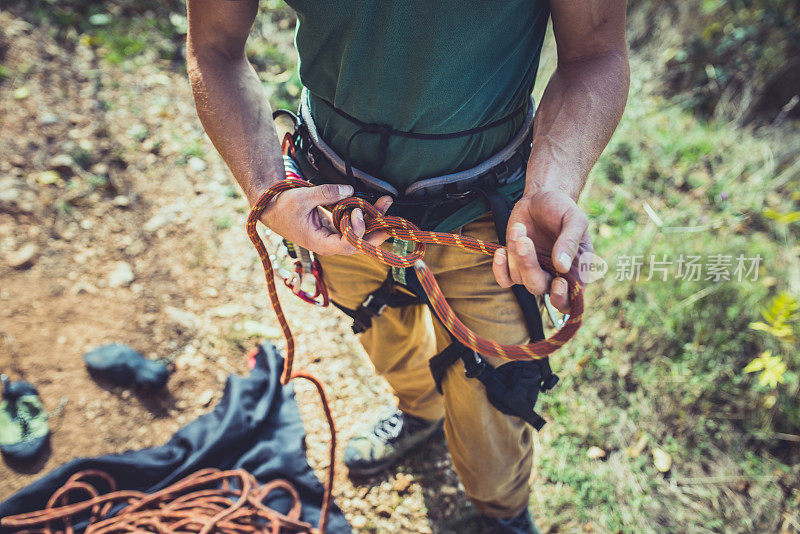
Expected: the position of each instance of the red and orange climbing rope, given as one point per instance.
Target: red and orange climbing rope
(210, 500)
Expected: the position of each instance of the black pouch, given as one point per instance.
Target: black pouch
(522, 383)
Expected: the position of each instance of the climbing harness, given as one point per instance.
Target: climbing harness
(385, 131)
(427, 203)
(307, 155)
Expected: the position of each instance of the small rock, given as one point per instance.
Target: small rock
(24, 256)
(401, 483)
(190, 359)
(48, 177)
(47, 118)
(359, 521)
(62, 163)
(10, 197)
(121, 201)
(256, 329)
(206, 397)
(184, 318)
(662, 460)
(100, 168)
(196, 164)
(157, 221)
(85, 143)
(22, 93)
(227, 310)
(209, 291)
(83, 287)
(122, 275)
(636, 449)
(595, 453)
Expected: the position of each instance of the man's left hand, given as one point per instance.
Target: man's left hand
(552, 223)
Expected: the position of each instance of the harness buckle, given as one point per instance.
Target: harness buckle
(474, 368)
(374, 305)
(502, 172)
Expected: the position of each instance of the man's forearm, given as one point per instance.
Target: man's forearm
(580, 109)
(233, 108)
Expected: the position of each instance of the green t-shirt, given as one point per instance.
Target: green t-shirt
(429, 66)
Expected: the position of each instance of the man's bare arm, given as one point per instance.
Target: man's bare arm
(580, 109)
(230, 101)
(585, 97)
(234, 110)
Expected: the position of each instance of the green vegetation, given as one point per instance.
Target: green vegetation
(733, 58)
(119, 31)
(670, 359)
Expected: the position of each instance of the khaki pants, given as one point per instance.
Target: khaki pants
(492, 452)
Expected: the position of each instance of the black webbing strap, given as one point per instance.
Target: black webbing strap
(375, 303)
(501, 211)
(512, 388)
(385, 130)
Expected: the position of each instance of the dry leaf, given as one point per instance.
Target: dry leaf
(595, 453)
(662, 460)
(637, 448)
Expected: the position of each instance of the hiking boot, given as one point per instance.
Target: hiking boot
(521, 524)
(23, 421)
(393, 437)
(123, 366)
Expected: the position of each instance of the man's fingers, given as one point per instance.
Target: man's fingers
(515, 232)
(523, 267)
(573, 226)
(383, 204)
(357, 222)
(559, 296)
(325, 195)
(500, 268)
(334, 244)
(376, 238)
(534, 278)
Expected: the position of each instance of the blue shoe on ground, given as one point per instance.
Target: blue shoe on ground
(125, 367)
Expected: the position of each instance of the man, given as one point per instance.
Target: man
(408, 67)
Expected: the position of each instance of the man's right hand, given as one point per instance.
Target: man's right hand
(298, 216)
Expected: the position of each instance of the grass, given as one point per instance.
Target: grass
(665, 359)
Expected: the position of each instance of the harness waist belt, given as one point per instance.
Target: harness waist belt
(505, 164)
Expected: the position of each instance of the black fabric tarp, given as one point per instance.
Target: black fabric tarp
(256, 426)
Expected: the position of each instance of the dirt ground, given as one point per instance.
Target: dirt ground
(128, 229)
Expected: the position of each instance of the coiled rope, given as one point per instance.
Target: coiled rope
(210, 500)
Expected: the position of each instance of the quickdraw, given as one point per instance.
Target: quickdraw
(402, 229)
(304, 275)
